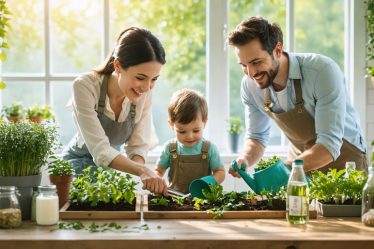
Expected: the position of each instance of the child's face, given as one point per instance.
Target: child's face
(191, 133)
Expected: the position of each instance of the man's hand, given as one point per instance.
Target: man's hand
(239, 161)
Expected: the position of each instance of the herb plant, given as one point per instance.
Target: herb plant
(104, 186)
(43, 111)
(370, 31)
(160, 200)
(58, 167)
(14, 110)
(334, 188)
(25, 147)
(234, 125)
(263, 164)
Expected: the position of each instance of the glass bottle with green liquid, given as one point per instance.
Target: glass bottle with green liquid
(297, 201)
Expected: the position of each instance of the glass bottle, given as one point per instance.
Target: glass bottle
(33, 203)
(297, 201)
(47, 205)
(349, 167)
(10, 212)
(368, 199)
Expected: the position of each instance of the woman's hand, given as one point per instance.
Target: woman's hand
(152, 182)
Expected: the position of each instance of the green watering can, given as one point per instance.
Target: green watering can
(269, 179)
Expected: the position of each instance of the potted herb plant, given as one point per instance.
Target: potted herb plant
(61, 174)
(234, 129)
(13, 113)
(337, 194)
(370, 43)
(24, 149)
(38, 113)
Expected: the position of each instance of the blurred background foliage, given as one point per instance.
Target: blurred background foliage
(76, 29)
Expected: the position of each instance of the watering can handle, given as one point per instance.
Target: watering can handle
(247, 178)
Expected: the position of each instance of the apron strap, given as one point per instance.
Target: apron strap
(103, 91)
(132, 111)
(298, 93)
(267, 100)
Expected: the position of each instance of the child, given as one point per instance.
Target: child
(190, 156)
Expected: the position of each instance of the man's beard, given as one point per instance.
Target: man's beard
(271, 74)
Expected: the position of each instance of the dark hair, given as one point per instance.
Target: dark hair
(185, 105)
(255, 27)
(134, 46)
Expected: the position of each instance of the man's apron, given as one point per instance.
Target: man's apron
(117, 132)
(299, 128)
(186, 168)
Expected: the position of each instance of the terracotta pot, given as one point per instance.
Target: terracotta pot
(63, 184)
(36, 119)
(14, 118)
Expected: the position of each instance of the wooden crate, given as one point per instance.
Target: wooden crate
(99, 215)
(260, 214)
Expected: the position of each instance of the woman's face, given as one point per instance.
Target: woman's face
(138, 79)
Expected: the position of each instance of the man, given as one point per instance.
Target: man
(305, 94)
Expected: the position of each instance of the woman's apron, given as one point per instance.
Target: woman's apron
(117, 132)
(299, 128)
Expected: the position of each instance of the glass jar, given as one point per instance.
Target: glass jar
(10, 212)
(47, 205)
(368, 200)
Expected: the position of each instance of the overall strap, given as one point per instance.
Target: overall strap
(103, 91)
(173, 149)
(205, 149)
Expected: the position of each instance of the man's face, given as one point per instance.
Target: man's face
(257, 63)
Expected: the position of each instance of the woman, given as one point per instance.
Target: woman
(112, 106)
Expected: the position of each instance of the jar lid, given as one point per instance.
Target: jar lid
(47, 188)
(7, 188)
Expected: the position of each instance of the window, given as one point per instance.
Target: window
(53, 41)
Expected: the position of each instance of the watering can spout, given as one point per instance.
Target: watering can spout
(248, 178)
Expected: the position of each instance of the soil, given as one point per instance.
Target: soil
(346, 202)
(102, 207)
(189, 205)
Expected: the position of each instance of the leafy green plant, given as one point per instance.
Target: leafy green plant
(58, 167)
(95, 228)
(15, 110)
(25, 147)
(263, 164)
(160, 200)
(102, 186)
(370, 33)
(43, 111)
(234, 125)
(333, 187)
(4, 28)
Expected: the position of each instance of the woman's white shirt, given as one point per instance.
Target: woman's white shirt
(84, 104)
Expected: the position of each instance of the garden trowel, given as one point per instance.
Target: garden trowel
(177, 194)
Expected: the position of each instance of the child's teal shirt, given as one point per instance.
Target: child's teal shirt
(214, 158)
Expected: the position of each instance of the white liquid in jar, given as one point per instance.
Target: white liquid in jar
(47, 210)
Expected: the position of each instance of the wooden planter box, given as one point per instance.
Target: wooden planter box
(260, 214)
(328, 210)
(66, 214)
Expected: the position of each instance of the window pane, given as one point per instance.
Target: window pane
(61, 93)
(180, 26)
(26, 41)
(76, 35)
(27, 93)
(273, 10)
(326, 35)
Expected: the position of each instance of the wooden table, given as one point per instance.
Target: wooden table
(193, 234)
